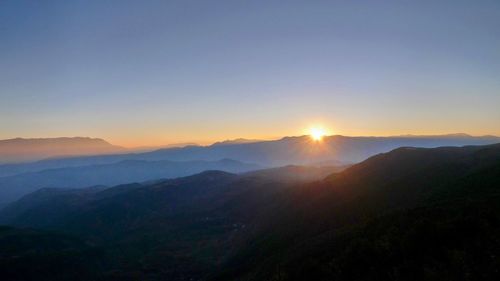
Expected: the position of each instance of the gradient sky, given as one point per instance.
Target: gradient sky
(157, 72)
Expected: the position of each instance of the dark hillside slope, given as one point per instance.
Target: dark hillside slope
(410, 214)
(189, 224)
(27, 254)
(386, 199)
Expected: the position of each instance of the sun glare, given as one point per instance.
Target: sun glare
(317, 134)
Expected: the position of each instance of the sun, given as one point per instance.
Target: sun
(317, 134)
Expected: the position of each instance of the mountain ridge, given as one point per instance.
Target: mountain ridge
(285, 151)
(31, 149)
(125, 171)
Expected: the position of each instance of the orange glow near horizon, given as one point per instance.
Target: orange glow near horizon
(139, 137)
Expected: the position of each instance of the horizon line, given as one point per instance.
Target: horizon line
(251, 140)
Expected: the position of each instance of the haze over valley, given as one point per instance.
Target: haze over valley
(17, 180)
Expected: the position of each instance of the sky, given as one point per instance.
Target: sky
(156, 72)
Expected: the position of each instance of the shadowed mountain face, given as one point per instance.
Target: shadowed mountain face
(410, 214)
(22, 150)
(13, 187)
(165, 192)
(287, 151)
(171, 220)
(422, 214)
(27, 254)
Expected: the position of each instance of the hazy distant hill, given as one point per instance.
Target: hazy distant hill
(20, 150)
(13, 187)
(412, 213)
(287, 151)
(235, 141)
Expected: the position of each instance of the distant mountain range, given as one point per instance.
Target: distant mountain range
(236, 141)
(333, 150)
(126, 171)
(111, 169)
(409, 214)
(22, 150)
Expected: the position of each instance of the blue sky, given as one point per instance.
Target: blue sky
(156, 72)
